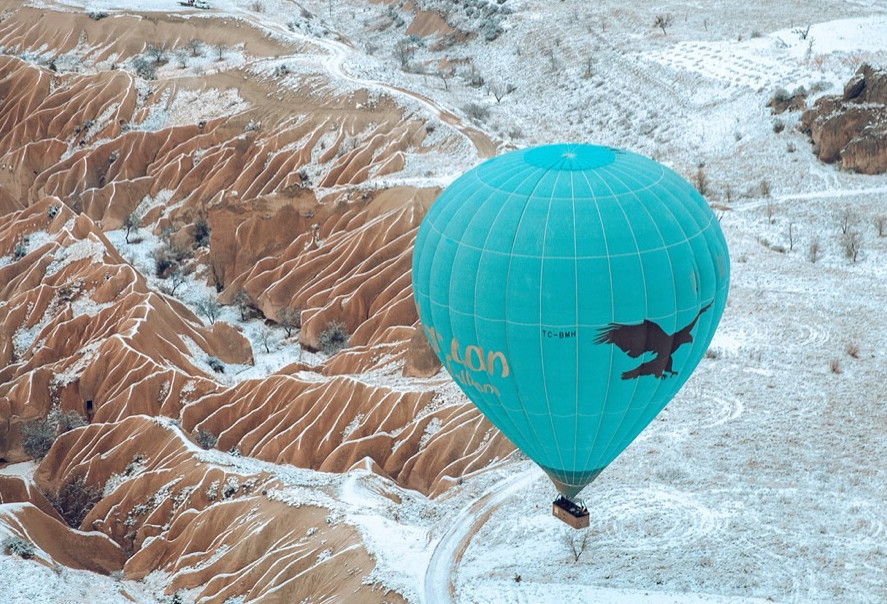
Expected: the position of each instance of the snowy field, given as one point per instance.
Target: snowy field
(765, 479)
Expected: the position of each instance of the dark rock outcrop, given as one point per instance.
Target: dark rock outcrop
(852, 128)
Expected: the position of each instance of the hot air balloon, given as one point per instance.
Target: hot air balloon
(570, 290)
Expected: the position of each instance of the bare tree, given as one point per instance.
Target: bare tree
(334, 338)
(157, 52)
(852, 242)
(290, 319)
(663, 22)
(791, 236)
(881, 225)
(267, 337)
(405, 49)
(701, 181)
(220, 49)
(576, 542)
(847, 220)
(813, 251)
(181, 55)
(194, 46)
(208, 308)
(177, 278)
(589, 68)
(499, 89)
(241, 301)
(131, 223)
(802, 32)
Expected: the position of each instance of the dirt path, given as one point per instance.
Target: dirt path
(439, 587)
(334, 64)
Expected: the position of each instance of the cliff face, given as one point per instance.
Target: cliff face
(852, 128)
(283, 181)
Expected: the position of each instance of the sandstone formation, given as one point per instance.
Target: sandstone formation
(282, 183)
(852, 128)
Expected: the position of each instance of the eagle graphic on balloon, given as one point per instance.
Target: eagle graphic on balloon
(597, 276)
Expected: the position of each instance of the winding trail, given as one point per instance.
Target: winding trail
(439, 588)
(334, 64)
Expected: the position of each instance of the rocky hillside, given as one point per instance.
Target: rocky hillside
(227, 166)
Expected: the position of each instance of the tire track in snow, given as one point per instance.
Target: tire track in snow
(439, 587)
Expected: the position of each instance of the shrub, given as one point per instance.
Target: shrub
(163, 261)
(144, 69)
(97, 15)
(194, 46)
(202, 231)
(209, 309)
(701, 181)
(14, 546)
(491, 29)
(74, 500)
(853, 349)
(206, 440)
(813, 251)
(333, 339)
(476, 112)
(39, 434)
(663, 22)
(157, 53)
(852, 243)
(131, 223)
(215, 364)
(780, 95)
(21, 249)
(290, 319)
(167, 257)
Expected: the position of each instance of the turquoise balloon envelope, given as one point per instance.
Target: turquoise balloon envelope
(570, 290)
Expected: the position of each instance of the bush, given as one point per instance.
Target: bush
(333, 339)
(201, 231)
(13, 546)
(206, 440)
(163, 262)
(97, 15)
(167, 257)
(491, 29)
(209, 309)
(215, 364)
(20, 250)
(144, 69)
(476, 112)
(39, 434)
(74, 500)
(290, 319)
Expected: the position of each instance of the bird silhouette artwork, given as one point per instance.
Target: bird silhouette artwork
(635, 340)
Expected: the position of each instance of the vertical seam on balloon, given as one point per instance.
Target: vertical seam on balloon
(540, 449)
(483, 188)
(576, 362)
(541, 296)
(608, 451)
(612, 317)
(669, 209)
(604, 456)
(517, 430)
(616, 199)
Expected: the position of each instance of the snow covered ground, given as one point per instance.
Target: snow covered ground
(764, 480)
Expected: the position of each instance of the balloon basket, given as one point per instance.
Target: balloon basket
(574, 514)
